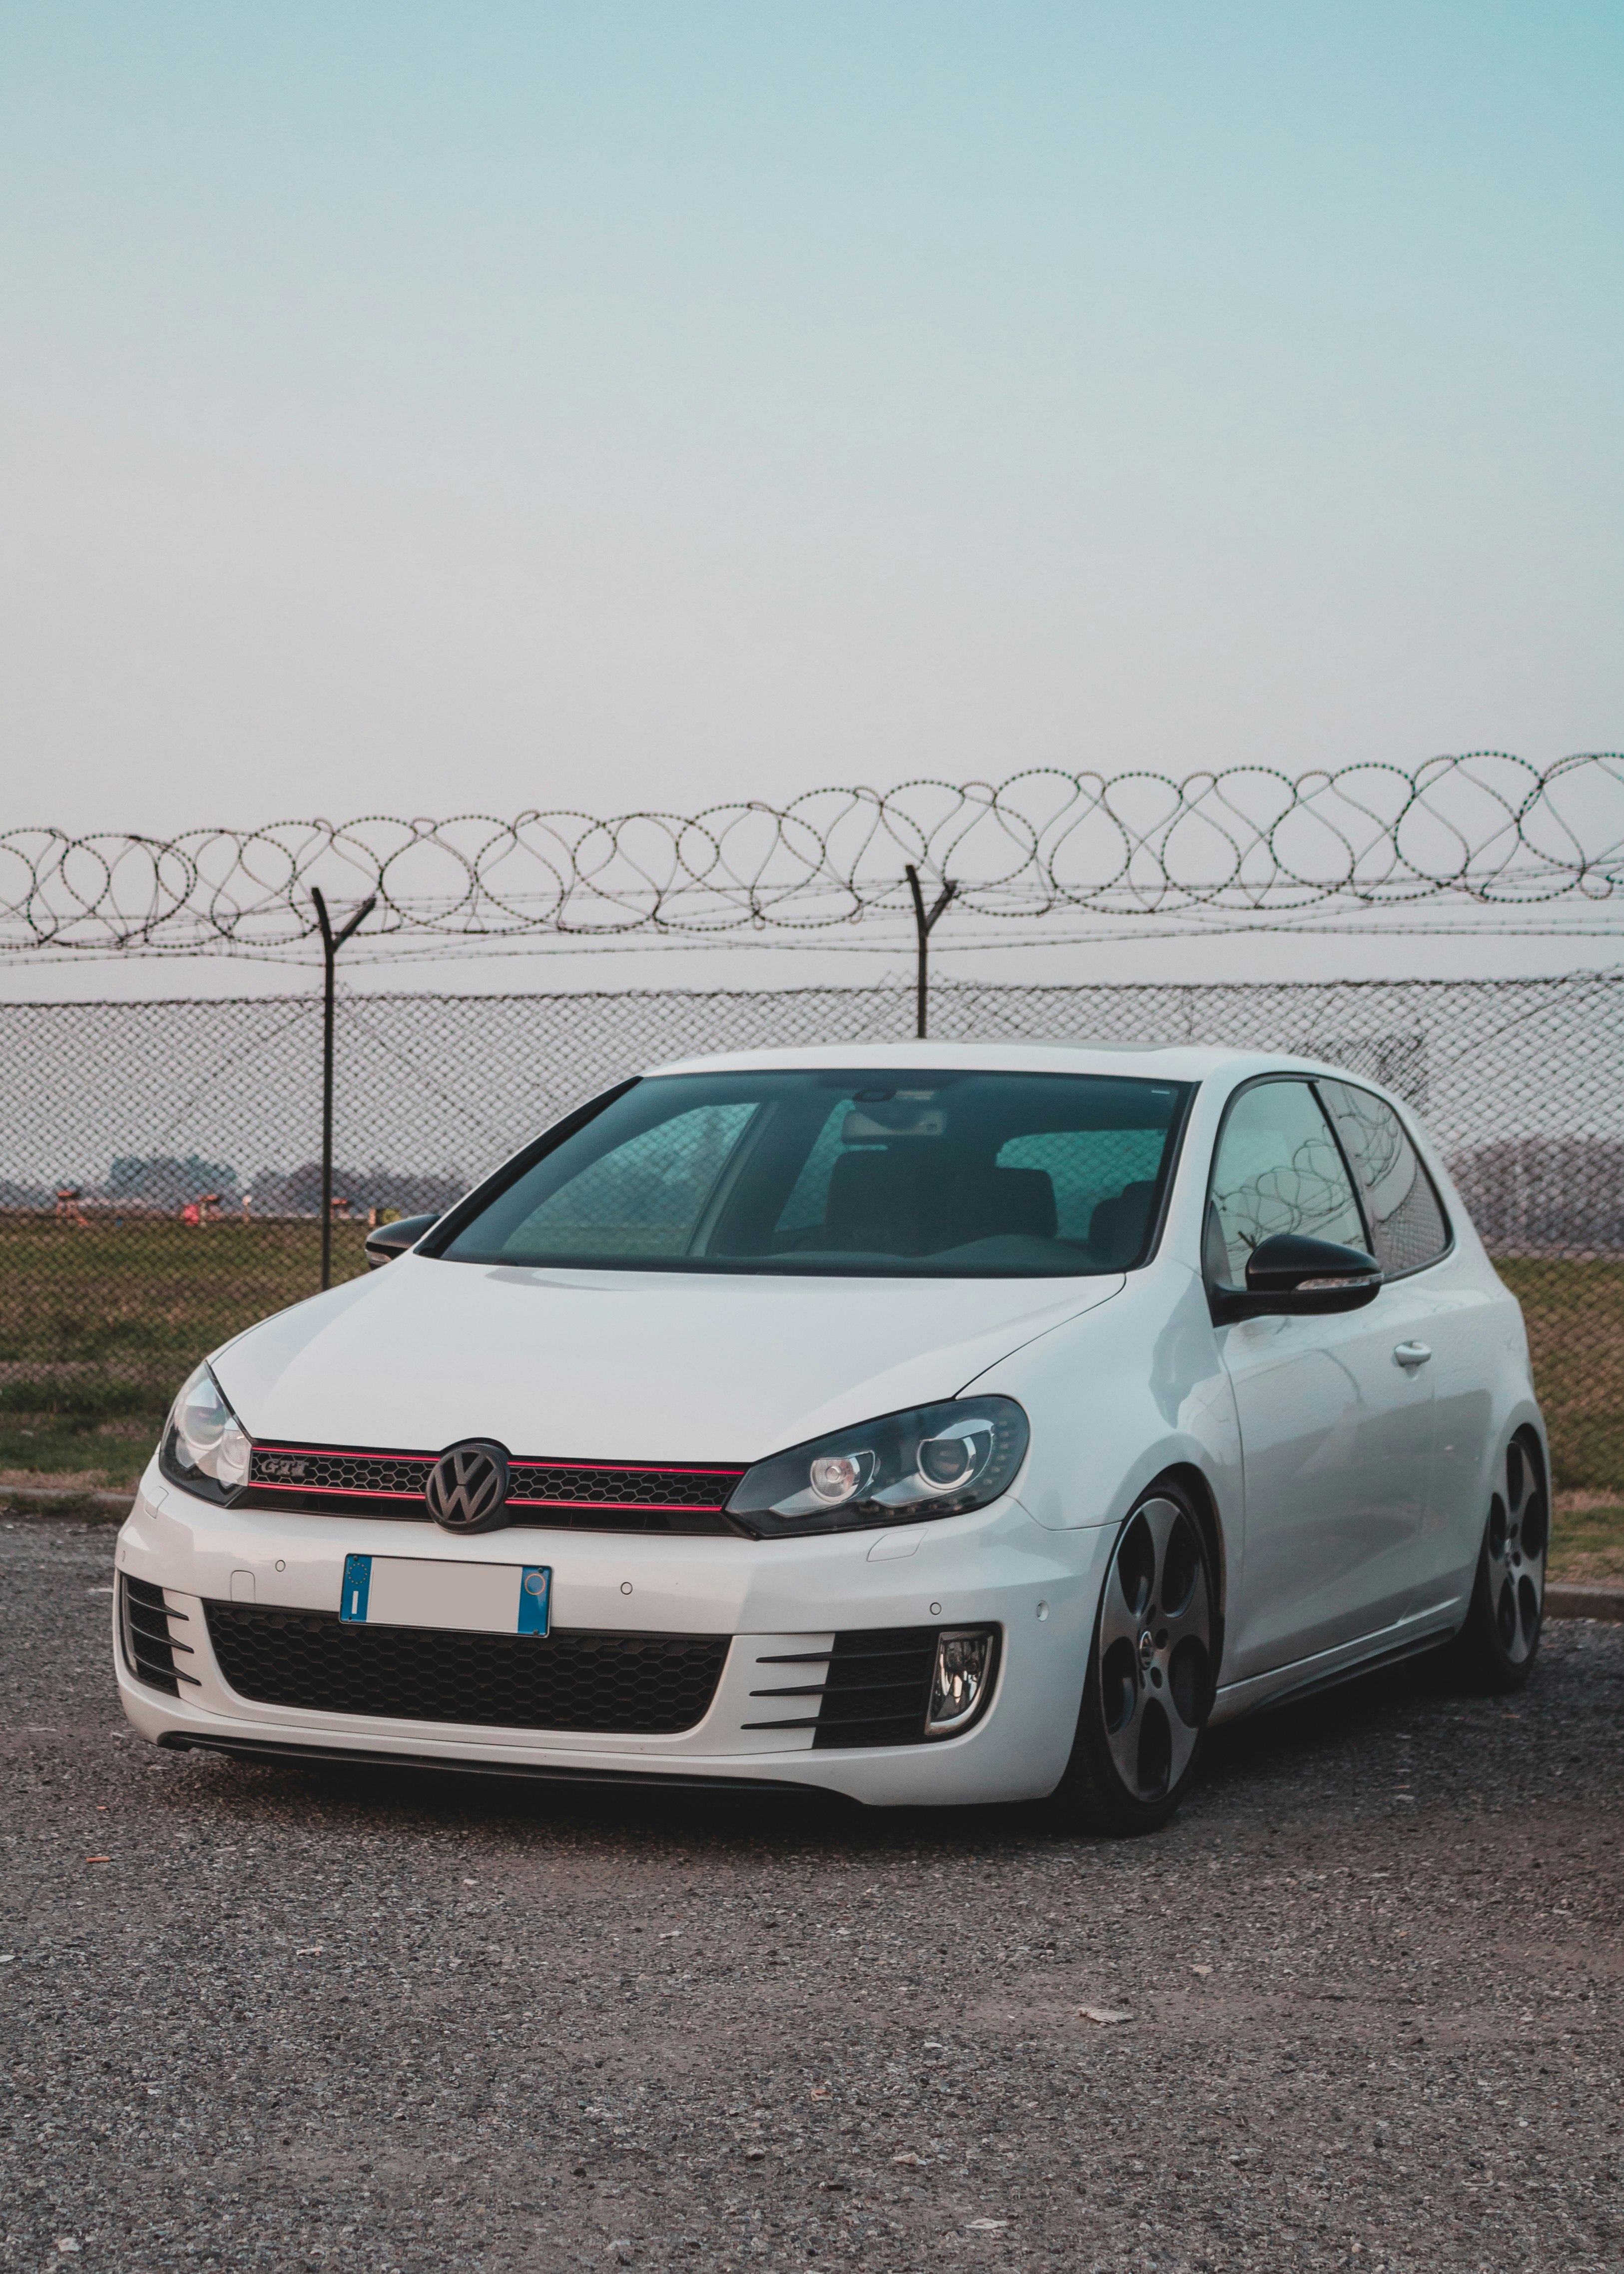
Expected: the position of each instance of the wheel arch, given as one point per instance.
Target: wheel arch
(1089, 1780)
(1531, 1432)
(1193, 1482)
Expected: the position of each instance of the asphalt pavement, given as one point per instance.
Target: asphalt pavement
(1358, 2008)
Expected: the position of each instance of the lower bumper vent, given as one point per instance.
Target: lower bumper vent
(150, 1640)
(873, 1688)
(636, 1686)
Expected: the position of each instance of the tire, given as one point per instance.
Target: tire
(1495, 1650)
(1151, 1672)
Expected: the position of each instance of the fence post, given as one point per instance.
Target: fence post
(923, 926)
(331, 941)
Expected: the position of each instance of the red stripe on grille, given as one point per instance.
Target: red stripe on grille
(659, 1507)
(632, 1468)
(347, 1492)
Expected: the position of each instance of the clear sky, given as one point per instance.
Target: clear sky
(417, 407)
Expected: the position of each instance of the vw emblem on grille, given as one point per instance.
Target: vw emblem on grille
(467, 1490)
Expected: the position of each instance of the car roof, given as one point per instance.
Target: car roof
(1152, 1061)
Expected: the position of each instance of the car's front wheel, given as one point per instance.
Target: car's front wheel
(1496, 1648)
(1149, 1688)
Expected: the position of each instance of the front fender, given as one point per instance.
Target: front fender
(1118, 1399)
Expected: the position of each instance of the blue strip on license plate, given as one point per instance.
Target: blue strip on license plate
(358, 1587)
(535, 1598)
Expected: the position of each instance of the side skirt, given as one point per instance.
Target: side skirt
(1290, 1683)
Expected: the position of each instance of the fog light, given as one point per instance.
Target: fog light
(964, 1669)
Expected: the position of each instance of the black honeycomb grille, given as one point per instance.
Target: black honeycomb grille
(298, 1469)
(630, 1685)
(573, 1496)
(548, 1484)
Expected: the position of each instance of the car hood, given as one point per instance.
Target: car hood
(623, 1364)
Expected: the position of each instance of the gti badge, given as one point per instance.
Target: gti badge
(467, 1490)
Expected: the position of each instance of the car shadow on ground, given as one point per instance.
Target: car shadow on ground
(1306, 1729)
(1306, 1737)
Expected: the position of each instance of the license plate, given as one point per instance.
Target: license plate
(409, 1591)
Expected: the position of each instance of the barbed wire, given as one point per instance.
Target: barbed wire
(1244, 847)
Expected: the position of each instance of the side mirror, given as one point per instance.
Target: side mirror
(1290, 1276)
(391, 1240)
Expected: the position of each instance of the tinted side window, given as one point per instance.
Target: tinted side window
(1277, 1169)
(1407, 1223)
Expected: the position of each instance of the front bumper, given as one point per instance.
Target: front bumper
(773, 1600)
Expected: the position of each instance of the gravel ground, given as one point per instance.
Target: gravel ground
(1368, 1992)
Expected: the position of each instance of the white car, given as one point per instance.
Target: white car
(932, 1423)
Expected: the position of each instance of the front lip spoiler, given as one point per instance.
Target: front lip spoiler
(264, 1749)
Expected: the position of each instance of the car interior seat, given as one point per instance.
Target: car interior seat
(1118, 1227)
(911, 1199)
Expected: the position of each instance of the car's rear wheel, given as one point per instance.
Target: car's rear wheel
(1149, 1688)
(1496, 1649)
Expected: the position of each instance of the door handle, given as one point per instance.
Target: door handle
(1411, 1355)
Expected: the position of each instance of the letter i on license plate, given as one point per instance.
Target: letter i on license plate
(409, 1591)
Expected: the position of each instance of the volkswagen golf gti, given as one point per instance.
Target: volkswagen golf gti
(942, 1422)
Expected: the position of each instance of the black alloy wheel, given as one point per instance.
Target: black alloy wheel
(1151, 1671)
(1496, 1649)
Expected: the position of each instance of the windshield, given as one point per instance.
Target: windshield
(943, 1175)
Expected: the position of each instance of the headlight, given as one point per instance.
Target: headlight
(937, 1460)
(205, 1447)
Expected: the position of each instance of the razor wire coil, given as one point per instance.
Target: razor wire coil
(1247, 845)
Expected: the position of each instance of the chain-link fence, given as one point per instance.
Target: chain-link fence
(160, 1174)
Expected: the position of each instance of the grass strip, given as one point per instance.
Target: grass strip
(82, 1507)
